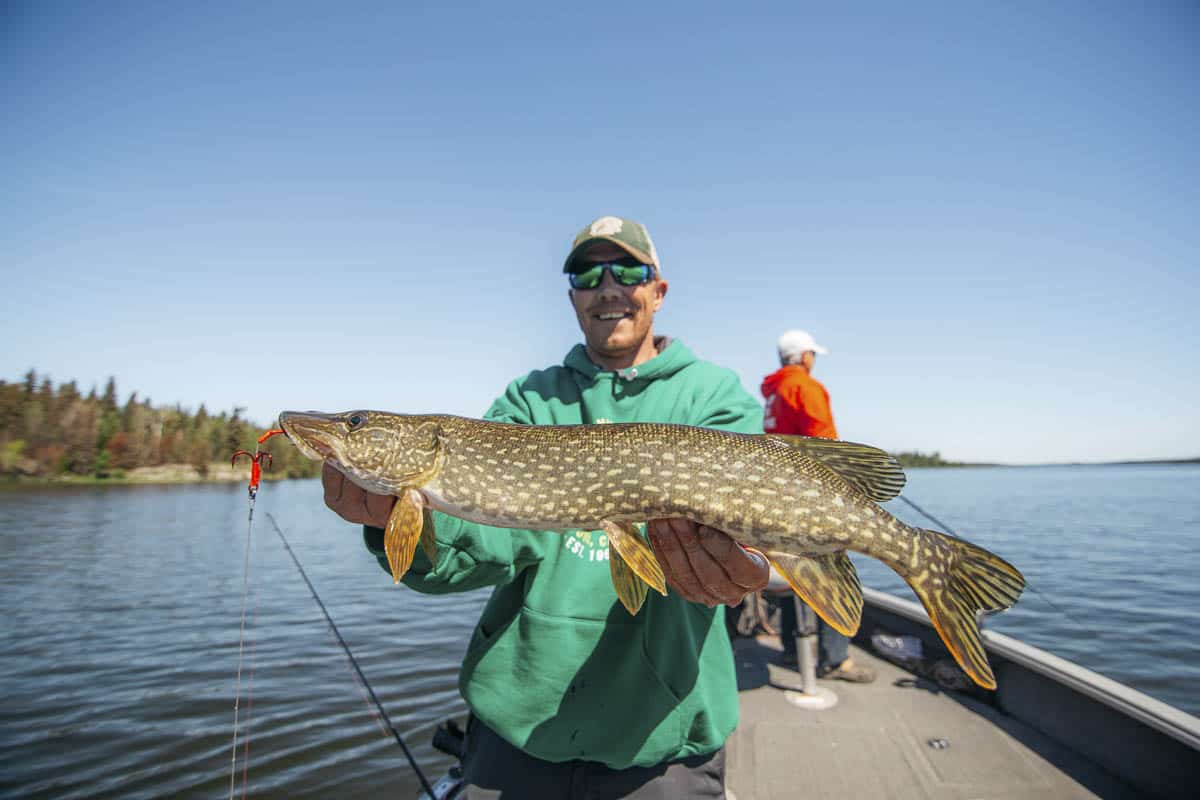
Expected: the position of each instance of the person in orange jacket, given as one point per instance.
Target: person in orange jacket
(798, 404)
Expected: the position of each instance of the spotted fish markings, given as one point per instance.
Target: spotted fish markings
(804, 502)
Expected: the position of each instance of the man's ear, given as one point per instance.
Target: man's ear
(660, 293)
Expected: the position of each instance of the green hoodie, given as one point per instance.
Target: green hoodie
(556, 666)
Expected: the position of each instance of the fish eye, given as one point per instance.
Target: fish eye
(356, 421)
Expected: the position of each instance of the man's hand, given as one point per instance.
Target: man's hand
(704, 565)
(353, 503)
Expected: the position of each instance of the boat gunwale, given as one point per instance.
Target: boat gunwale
(1161, 716)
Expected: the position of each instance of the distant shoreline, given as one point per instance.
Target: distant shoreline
(217, 472)
(1154, 462)
(1143, 462)
(222, 472)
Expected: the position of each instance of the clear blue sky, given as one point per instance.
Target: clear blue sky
(990, 213)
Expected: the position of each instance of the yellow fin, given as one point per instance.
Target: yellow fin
(403, 531)
(828, 583)
(958, 583)
(870, 470)
(631, 590)
(625, 543)
(428, 538)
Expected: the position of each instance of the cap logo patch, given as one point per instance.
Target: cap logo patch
(606, 226)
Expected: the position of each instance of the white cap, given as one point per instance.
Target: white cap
(794, 343)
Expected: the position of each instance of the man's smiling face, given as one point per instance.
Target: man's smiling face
(617, 321)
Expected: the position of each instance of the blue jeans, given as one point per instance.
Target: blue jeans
(833, 647)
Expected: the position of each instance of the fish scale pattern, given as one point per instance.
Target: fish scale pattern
(804, 502)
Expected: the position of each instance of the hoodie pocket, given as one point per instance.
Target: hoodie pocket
(566, 688)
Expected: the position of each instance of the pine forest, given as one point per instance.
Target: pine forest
(59, 433)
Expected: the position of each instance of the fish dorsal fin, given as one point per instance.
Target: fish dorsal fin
(869, 469)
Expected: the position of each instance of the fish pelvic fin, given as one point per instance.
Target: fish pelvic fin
(404, 528)
(631, 590)
(626, 545)
(827, 583)
(957, 586)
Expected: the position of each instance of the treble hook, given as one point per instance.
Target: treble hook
(257, 459)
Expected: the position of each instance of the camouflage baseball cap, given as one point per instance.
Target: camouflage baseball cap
(630, 236)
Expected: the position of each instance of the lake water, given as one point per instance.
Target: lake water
(122, 609)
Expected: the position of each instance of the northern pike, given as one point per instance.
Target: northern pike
(803, 502)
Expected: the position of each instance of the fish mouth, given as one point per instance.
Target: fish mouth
(312, 432)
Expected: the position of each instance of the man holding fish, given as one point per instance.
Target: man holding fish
(570, 694)
(570, 691)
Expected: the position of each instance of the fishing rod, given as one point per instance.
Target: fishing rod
(353, 661)
(930, 517)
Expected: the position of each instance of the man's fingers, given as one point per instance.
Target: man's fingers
(758, 569)
(333, 482)
(666, 550)
(703, 564)
(747, 569)
(353, 503)
(671, 538)
(708, 558)
(698, 577)
(379, 507)
(655, 533)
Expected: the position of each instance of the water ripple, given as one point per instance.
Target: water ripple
(123, 609)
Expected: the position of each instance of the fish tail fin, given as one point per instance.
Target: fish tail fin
(959, 581)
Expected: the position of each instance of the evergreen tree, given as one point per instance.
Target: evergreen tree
(12, 399)
(109, 401)
(199, 457)
(81, 444)
(237, 437)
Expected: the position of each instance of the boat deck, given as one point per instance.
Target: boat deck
(874, 743)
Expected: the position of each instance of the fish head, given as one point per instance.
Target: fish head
(380, 452)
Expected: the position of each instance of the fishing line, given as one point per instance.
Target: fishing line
(353, 661)
(249, 695)
(1029, 585)
(241, 650)
(931, 517)
(258, 459)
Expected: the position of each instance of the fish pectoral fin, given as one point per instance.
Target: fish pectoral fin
(631, 590)
(429, 538)
(403, 532)
(625, 544)
(870, 470)
(828, 583)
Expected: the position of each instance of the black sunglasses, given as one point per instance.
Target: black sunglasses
(624, 274)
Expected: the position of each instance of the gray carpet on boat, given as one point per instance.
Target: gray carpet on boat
(874, 743)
